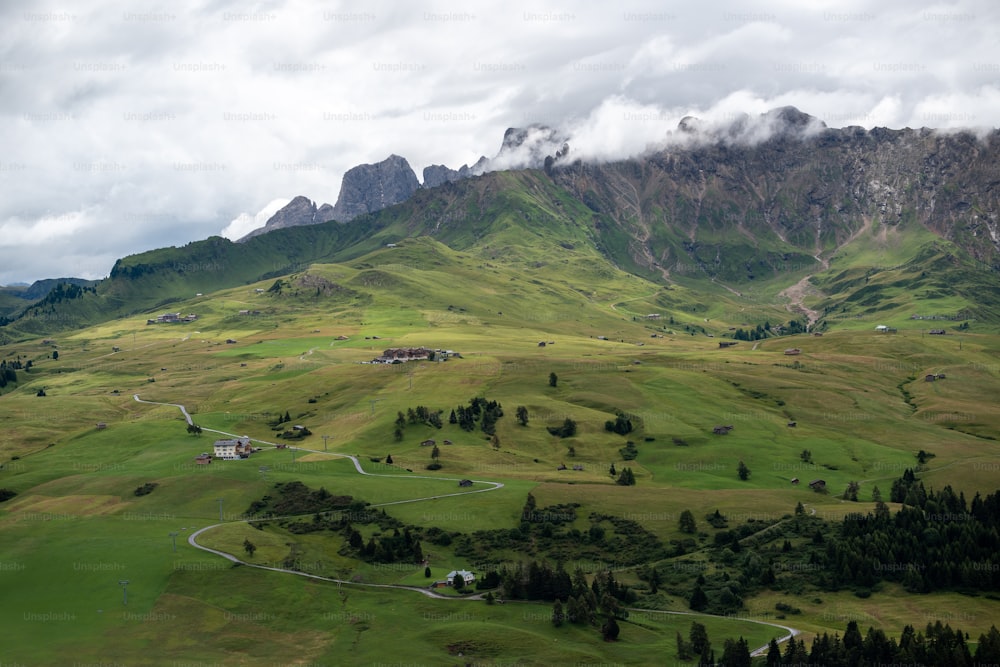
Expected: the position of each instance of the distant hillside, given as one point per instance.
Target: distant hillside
(837, 223)
(40, 288)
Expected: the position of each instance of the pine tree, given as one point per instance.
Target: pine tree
(610, 629)
(698, 601)
(557, 614)
(698, 636)
(522, 415)
(773, 654)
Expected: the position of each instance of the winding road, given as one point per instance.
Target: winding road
(192, 538)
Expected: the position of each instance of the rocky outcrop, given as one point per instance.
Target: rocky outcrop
(439, 174)
(299, 211)
(372, 187)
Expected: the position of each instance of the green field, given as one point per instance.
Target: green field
(75, 529)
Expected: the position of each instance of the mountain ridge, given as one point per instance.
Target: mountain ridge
(715, 211)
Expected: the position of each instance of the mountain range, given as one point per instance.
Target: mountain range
(857, 220)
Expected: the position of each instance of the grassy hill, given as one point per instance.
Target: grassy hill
(525, 270)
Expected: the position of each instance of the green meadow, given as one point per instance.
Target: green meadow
(858, 400)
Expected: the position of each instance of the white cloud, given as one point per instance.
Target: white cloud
(245, 223)
(162, 124)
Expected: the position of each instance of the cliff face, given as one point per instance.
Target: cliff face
(299, 211)
(807, 191)
(372, 187)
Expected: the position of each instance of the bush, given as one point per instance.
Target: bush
(434, 466)
(6, 494)
(145, 489)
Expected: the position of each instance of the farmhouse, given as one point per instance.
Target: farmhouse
(233, 449)
(467, 576)
(401, 354)
(169, 318)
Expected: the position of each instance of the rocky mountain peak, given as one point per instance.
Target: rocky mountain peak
(373, 187)
(300, 211)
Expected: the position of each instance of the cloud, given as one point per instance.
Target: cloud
(245, 223)
(126, 129)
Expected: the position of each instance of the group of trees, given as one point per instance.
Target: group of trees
(622, 424)
(8, 371)
(626, 478)
(937, 645)
(419, 415)
(735, 652)
(761, 332)
(479, 410)
(399, 547)
(290, 498)
(937, 541)
(575, 600)
(565, 430)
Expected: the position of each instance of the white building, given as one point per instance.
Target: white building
(231, 450)
(467, 576)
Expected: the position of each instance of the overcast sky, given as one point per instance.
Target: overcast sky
(164, 123)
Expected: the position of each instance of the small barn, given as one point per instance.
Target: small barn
(465, 482)
(722, 430)
(818, 485)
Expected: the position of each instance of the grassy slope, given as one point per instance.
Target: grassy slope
(492, 296)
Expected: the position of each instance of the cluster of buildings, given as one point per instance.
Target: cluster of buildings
(395, 355)
(172, 318)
